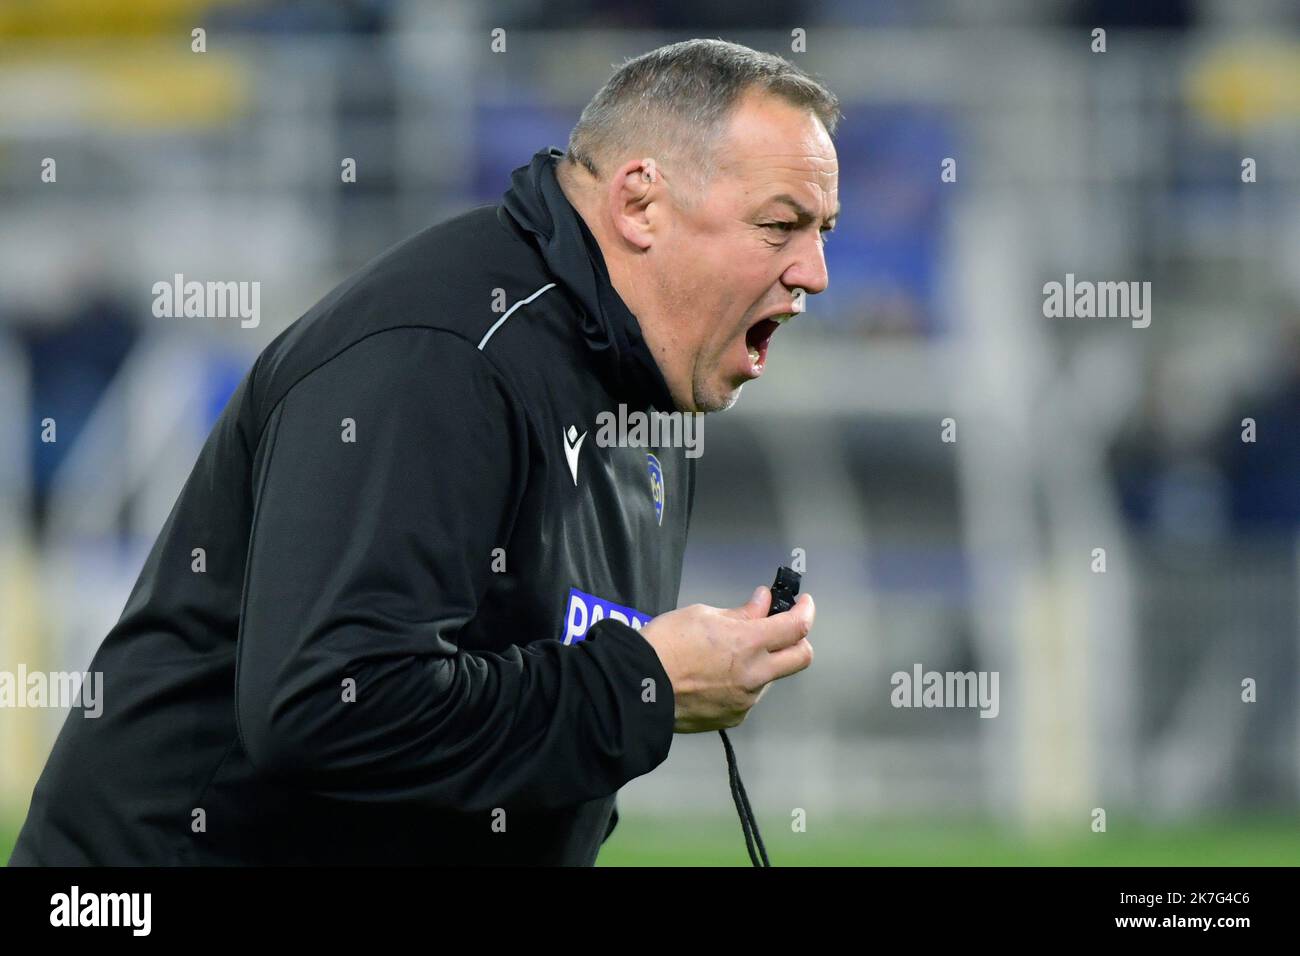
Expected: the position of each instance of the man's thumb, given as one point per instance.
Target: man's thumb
(755, 607)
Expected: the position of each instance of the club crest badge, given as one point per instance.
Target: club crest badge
(656, 486)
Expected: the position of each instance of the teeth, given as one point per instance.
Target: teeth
(753, 355)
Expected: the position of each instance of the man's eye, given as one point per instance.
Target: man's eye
(826, 235)
(781, 225)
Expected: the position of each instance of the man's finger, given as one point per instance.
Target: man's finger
(787, 661)
(755, 608)
(789, 627)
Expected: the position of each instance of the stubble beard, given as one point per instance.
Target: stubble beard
(705, 396)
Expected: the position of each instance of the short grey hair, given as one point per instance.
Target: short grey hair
(679, 98)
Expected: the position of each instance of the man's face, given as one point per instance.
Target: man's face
(729, 264)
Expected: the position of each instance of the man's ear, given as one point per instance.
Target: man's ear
(633, 190)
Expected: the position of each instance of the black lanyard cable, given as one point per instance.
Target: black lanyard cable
(784, 591)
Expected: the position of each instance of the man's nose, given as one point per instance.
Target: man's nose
(808, 272)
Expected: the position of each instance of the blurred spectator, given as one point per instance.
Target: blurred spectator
(73, 355)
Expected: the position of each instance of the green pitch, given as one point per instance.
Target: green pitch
(649, 841)
(1273, 841)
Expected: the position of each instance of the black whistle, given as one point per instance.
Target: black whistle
(785, 590)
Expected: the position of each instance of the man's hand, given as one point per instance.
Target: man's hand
(720, 661)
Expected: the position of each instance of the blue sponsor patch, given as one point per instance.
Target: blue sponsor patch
(656, 485)
(584, 610)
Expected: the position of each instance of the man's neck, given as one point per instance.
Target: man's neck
(581, 189)
(583, 192)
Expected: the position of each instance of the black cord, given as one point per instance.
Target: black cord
(733, 776)
(784, 589)
(747, 822)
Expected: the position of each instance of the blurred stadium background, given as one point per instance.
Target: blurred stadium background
(1119, 690)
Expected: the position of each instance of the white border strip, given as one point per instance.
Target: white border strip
(497, 324)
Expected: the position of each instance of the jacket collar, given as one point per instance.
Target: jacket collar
(538, 206)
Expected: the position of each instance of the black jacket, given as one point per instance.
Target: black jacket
(349, 671)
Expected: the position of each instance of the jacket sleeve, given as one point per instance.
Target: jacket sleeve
(383, 481)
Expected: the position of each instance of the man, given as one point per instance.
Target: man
(407, 609)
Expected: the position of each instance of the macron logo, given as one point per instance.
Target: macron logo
(573, 445)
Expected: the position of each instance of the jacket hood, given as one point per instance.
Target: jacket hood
(538, 206)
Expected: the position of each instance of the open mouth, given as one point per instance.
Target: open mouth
(758, 336)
